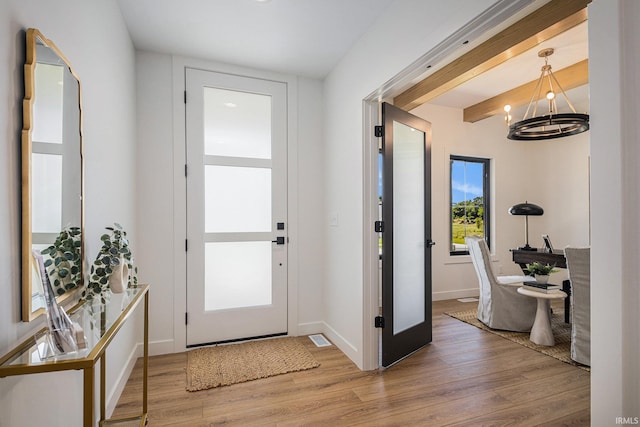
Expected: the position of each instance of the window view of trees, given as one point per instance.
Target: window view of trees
(467, 219)
(469, 201)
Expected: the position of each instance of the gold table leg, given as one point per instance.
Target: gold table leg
(88, 397)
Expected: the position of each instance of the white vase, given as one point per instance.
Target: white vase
(118, 279)
(542, 278)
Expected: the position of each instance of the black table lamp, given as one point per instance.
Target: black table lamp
(526, 209)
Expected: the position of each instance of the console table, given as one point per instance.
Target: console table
(522, 258)
(101, 323)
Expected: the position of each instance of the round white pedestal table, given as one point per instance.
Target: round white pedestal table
(541, 332)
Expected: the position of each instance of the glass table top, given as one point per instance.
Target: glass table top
(98, 323)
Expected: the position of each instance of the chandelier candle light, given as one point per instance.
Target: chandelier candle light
(553, 124)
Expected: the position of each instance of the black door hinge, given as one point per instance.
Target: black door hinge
(185, 96)
(186, 245)
(186, 318)
(379, 322)
(378, 131)
(379, 226)
(186, 170)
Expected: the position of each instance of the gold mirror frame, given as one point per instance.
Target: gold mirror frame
(29, 271)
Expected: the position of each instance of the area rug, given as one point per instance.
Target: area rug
(561, 332)
(222, 365)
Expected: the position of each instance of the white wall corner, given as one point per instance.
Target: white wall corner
(345, 346)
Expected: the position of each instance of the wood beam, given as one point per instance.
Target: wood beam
(550, 20)
(570, 77)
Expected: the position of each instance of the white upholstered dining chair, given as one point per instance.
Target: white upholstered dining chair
(578, 264)
(500, 305)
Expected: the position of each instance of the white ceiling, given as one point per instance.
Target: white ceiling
(301, 37)
(308, 38)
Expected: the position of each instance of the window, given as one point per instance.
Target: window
(469, 214)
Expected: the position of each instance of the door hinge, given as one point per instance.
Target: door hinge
(185, 96)
(186, 169)
(378, 131)
(186, 318)
(186, 245)
(379, 226)
(379, 322)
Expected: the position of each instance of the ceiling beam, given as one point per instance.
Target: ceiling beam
(571, 77)
(544, 23)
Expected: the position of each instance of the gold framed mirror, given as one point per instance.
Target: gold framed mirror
(52, 175)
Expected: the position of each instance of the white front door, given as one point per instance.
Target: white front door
(236, 207)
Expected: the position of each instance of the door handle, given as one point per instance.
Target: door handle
(279, 240)
(430, 243)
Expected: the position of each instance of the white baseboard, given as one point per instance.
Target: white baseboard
(310, 328)
(461, 293)
(123, 377)
(157, 348)
(345, 346)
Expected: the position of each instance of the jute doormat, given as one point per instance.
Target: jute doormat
(561, 333)
(210, 367)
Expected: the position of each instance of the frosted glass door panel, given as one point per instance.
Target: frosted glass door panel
(408, 233)
(237, 274)
(237, 124)
(46, 193)
(237, 199)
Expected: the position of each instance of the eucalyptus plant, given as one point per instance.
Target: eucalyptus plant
(541, 269)
(114, 251)
(64, 260)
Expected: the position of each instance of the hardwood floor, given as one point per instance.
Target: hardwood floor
(465, 377)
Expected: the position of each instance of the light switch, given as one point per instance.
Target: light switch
(333, 219)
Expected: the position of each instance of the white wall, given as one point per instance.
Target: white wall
(614, 40)
(161, 197)
(93, 37)
(553, 174)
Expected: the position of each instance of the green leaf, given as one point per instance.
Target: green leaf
(63, 272)
(48, 262)
(100, 272)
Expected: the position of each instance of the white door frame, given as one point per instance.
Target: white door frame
(500, 15)
(179, 64)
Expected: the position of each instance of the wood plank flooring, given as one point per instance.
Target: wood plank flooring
(466, 377)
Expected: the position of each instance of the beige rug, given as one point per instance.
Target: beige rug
(561, 333)
(210, 367)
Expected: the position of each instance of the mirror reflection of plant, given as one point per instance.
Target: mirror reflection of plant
(65, 260)
(114, 251)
